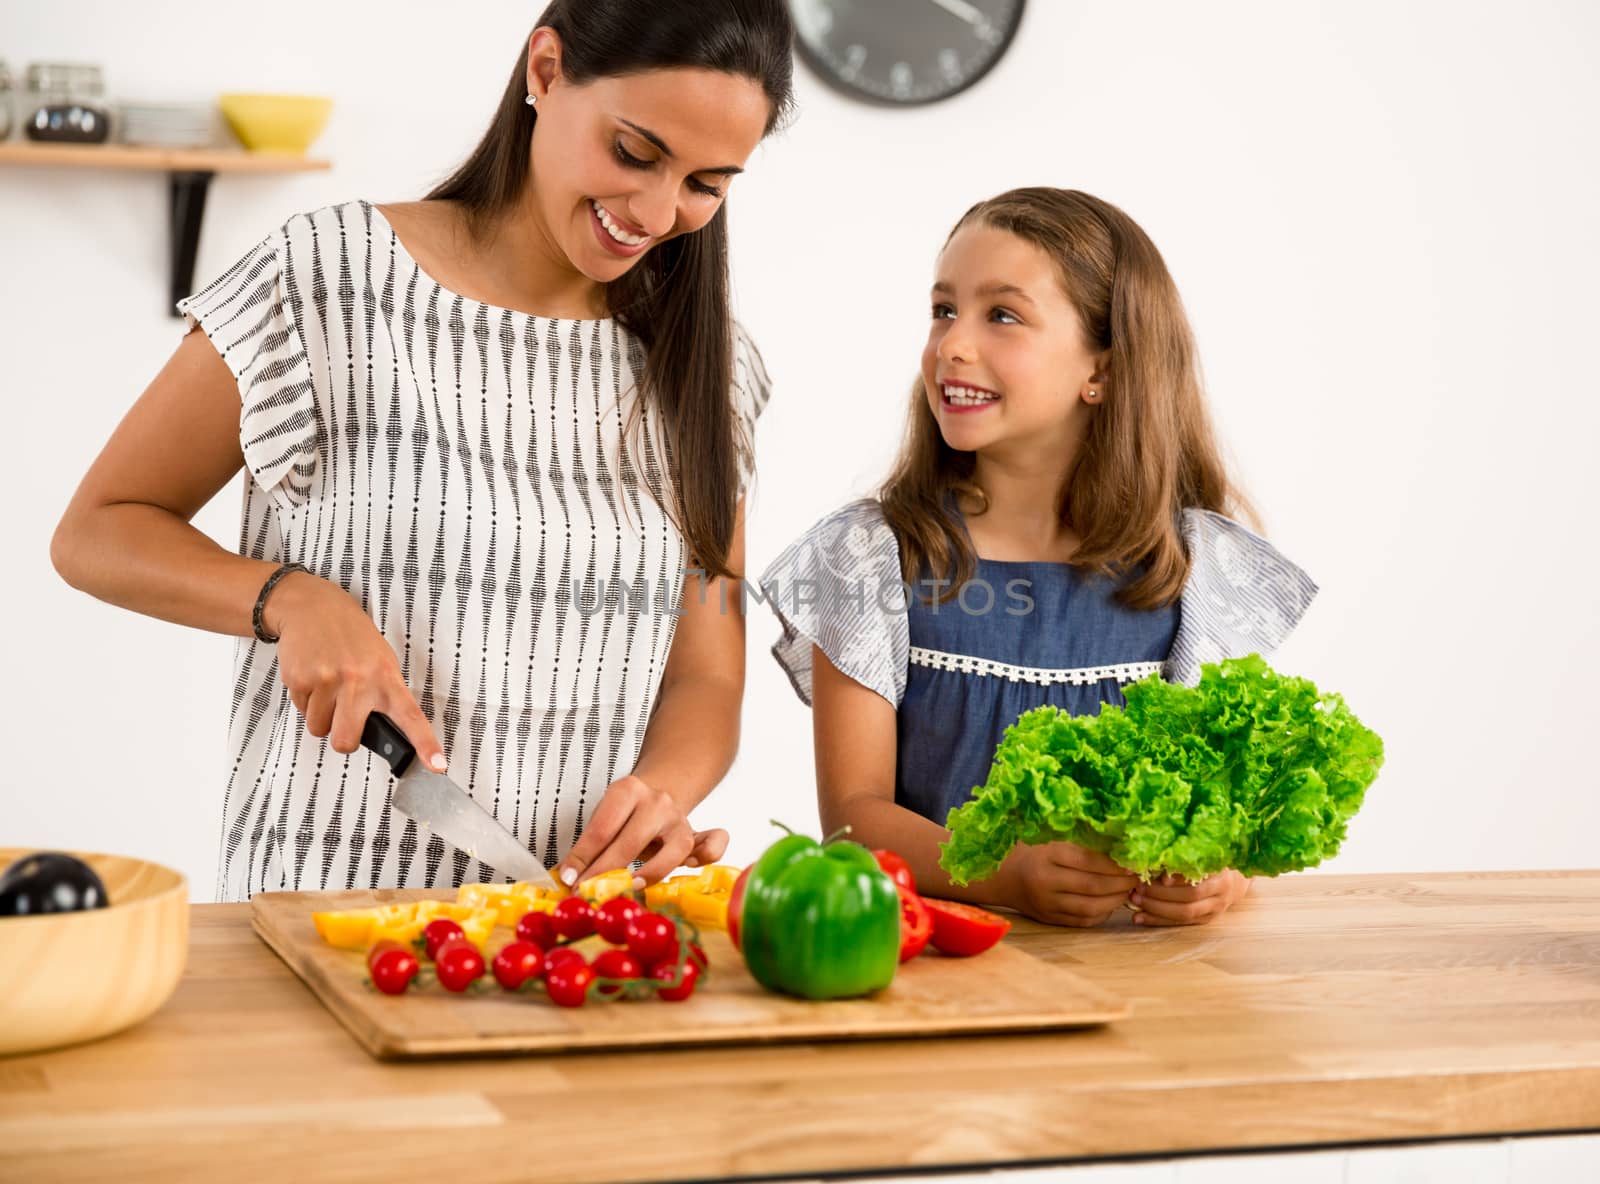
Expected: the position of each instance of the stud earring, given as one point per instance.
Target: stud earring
(531, 100)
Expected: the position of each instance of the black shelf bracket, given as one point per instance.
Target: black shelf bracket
(188, 200)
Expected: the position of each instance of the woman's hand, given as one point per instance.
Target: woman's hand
(1172, 900)
(339, 668)
(637, 821)
(1065, 884)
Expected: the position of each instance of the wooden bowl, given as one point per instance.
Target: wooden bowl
(70, 977)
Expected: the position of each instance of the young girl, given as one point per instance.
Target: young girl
(466, 421)
(1054, 529)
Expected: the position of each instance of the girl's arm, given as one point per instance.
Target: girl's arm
(856, 742)
(126, 538)
(689, 744)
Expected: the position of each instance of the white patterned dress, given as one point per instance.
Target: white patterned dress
(481, 480)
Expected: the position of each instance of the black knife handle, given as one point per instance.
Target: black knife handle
(389, 742)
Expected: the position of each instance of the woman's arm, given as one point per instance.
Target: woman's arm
(689, 744)
(855, 735)
(126, 538)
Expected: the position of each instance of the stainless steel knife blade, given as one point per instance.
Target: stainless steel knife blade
(436, 803)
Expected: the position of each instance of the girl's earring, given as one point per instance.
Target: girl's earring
(531, 100)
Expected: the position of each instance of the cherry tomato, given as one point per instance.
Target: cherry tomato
(516, 963)
(438, 932)
(458, 965)
(697, 954)
(963, 929)
(611, 919)
(615, 964)
(393, 969)
(561, 955)
(899, 871)
(916, 924)
(539, 928)
(574, 918)
(381, 947)
(667, 972)
(652, 938)
(567, 982)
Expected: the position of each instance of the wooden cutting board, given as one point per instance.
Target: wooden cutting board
(1003, 990)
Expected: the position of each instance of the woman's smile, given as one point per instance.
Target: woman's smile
(614, 234)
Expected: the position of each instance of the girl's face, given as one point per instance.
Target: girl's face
(622, 164)
(1006, 361)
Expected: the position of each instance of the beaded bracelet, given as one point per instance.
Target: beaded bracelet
(261, 600)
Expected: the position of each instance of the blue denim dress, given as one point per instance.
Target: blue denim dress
(959, 675)
(972, 673)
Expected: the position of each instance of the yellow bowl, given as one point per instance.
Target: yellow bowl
(70, 977)
(276, 123)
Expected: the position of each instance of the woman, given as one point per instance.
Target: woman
(487, 434)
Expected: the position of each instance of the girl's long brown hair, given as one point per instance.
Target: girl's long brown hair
(1149, 452)
(675, 299)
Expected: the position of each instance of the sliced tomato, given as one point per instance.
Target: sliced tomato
(899, 870)
(916, 925)
(964, 929)
(736, 906)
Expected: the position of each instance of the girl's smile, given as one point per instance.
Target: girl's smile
(961, 398)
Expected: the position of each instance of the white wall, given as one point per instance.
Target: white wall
(1382, 218)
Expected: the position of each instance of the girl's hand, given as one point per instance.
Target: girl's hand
(637, 821)
(339, 669)
(1065, 884)
(1172, 900)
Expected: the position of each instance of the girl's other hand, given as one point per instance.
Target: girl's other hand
(1065, 884)
(339, 669)
(1172, 900)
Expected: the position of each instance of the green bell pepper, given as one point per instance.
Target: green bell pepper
(820, 920)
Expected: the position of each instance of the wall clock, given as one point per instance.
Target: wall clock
(904, 52)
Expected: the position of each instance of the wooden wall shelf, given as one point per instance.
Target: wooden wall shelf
(189, 172)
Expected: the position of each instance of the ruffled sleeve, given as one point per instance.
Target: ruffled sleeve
(838, 586)
(752, 389)
(251, 318)
(1242, 596)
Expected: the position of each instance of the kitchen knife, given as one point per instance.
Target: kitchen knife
(436, 803)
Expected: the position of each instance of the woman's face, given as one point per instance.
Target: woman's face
(1005, 360)
(623, 164)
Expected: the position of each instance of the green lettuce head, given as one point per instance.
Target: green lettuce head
(1252, 770)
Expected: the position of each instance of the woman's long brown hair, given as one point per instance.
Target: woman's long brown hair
(675, 299)
(1149, 452)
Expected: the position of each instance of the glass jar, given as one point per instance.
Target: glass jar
(65, 106)
(8, 114)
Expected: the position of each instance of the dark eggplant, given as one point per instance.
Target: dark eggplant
(50, 882)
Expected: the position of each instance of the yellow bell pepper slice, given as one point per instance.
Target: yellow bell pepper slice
(511, 901)
(606, 885)
(718, 879)
(349, 929)
(705, 909)
(667, 891)
(479, 925)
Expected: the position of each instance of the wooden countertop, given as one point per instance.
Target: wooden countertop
(1322, 1010)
